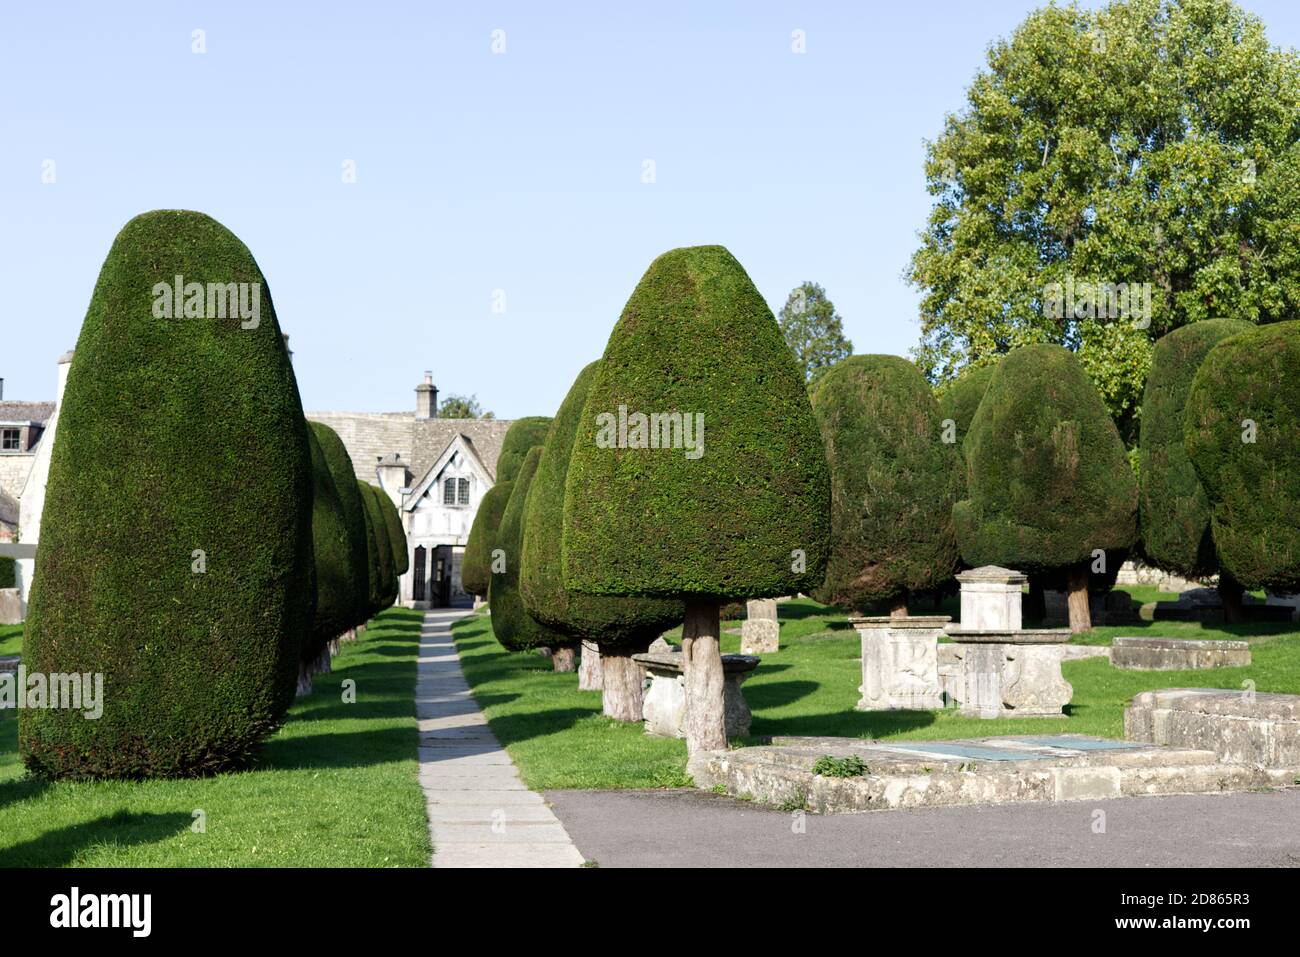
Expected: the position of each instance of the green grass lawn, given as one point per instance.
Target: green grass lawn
(11, 639)
(559, 739)
(337, 786)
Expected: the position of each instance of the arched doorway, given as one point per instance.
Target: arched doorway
(420, 579)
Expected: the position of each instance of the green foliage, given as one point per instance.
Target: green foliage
(847, 767)
(354, 518)
(396, 534)
(383, 546)
(813, 330)
(1240, 430)
(1174, 512)
(174, 435)
(332, 548)
(696, 338)
(959, 399)
(514, 627)
(1048, 479)
(522, 435)
(374, 571)
(476, 564)
(8, 576)
(1145, 142)
(462, 407)
(607, 620)
(893, 482)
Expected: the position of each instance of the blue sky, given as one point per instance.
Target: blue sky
(477, 171)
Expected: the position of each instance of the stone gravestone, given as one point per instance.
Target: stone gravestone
(590, 673)
(900, 662)
(990, 599)
(759, 635)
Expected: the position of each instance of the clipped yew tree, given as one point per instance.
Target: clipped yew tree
(513, 626)
(476, 563)
(333, 570)
(354, 519)
(523, 434)
(1049, 483)
(396, 534)
(962, 397)
(894, 481)
(620, 627)
(383, 546)
(176, 555)
(374, 569)
(697, 472)
(1241, 427)
(1173, 510)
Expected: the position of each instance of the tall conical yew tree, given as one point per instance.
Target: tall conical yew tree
(513, 626)
(1241, 433)
(396, 534)
(383, 546)
(962, 397)
(698, 472)
(476, 564)
(354, 518)
(621, 627)
(893, 483)
(1048, 480)
(176, 554)
(1173, 509)
(523, 434)
(335, 587)
(374, 566)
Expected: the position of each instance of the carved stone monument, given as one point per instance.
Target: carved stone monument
(664, 705)
(900, 662)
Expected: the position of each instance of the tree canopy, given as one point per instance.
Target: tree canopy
(813, 330)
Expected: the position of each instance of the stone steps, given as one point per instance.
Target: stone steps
(913, 774)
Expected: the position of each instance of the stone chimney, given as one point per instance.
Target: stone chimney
(392, 472)
(426, 398)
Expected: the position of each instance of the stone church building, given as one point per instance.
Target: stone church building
(435, 470)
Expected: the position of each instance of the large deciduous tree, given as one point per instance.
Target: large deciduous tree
(813, 330)
(1145, 142)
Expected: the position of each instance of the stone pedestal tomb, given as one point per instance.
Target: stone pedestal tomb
(664, 705)
(900, 662)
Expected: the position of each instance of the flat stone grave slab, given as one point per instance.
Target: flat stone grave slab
(1242, 727)
(1178, 654)
(995, 770)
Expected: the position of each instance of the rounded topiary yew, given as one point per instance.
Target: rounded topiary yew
(523, 434)
(476, 564)
(893, 484)
(621, 627)
(335, 587)
(354, 518)
(731, 502)
(374, 570)
(962, 397)
(383, 546)
(1048, 478)
(513, 626)
(176, 556)
(396, 534)
(1173, 510)
(1241, 427)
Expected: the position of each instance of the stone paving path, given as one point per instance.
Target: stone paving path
(480, 813)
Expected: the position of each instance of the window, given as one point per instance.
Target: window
(449, 492)
(463, 498)
(10, 440)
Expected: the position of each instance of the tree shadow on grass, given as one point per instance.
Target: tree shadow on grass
(21, 789)
(513, 728)
(345, 749)
(848, 724)
(778, 693)
(63, 845)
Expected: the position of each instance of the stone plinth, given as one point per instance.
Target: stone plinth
(1178, 654)
(990, 598)
(11, 606)
(664, 705)
(1011, 674)
(900, 666)
(1240, 727)
(760, 634)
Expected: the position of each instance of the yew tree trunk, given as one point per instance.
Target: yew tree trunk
(1080, 613)
(565, 659)
(1036, 607)
(706, 727)
(589, 672)
(1231, 593)
(623, 684)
